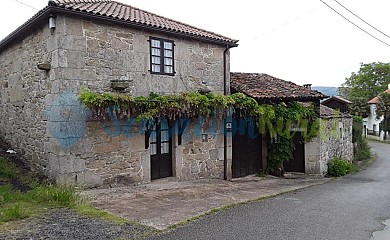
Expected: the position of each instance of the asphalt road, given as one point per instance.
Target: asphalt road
(348, 209)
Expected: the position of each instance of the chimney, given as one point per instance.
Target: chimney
(308, 86)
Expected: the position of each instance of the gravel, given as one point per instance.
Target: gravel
(67, 224)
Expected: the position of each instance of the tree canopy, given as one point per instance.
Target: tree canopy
(371, 80)
(383, 105)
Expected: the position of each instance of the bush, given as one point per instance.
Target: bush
(338, 167)
(361, 150)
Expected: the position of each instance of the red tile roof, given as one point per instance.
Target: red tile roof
(267, 88)
(376, 99)
(126, 13)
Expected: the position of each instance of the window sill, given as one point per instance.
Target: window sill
(166, 74)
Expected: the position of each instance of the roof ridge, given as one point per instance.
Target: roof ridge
(170, 19)
(55, 2)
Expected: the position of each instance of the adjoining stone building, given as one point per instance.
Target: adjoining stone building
(109, 47)
(268, 89)
(335, 138)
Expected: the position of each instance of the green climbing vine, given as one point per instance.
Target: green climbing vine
(280, 150)
(277, 120)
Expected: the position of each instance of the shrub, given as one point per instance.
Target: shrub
(339, 167)
(361, 150)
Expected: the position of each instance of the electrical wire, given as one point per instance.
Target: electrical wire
(355, 24)
(25, 4)
(361, 18)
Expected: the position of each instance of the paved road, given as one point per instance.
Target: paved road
(347, 209)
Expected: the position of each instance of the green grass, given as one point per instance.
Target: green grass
(90, 211)
(16, 205)
(7, 171)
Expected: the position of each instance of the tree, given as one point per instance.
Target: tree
(383, 109)
(368, 82)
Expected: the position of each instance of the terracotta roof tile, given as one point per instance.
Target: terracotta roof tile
(267, 88)
(376, 99)
(117, 10)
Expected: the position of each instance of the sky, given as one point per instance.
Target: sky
(302, 41)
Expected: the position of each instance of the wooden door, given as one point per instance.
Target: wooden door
(161, 150)
(297, 163)
(247, 146)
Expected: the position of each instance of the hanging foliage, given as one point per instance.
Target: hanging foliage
(277, 120)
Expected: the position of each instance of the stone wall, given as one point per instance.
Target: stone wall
(23, 93)
(312, 156)
(45, 122)
(334, 140)
(93, 53)
(202, 150)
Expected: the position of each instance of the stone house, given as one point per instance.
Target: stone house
(311, 157)
(108, 46)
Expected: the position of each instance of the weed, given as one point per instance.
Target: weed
(12, 213)
(57, 196)
(262, 173)
(7, 171)
(90, 211)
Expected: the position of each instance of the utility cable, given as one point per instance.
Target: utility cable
(361, 18)
(355, 24)
(25, 4)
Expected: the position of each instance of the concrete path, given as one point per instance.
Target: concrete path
(351, 208)
(165, 202)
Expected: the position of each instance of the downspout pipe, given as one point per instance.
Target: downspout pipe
(225, 92)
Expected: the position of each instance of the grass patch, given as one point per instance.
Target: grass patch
(7, 171)
(16, 204)
(13, 213)
(90, 211)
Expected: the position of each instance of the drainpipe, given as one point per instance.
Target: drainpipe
(225, 92)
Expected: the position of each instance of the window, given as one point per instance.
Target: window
(161, 56)
(159, 138)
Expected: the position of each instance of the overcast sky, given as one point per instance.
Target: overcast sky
(301, 41)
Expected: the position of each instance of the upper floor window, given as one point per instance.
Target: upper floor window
(161, 56)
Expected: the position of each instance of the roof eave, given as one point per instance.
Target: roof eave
(336, 99)
(32, 23)
(289, 99)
